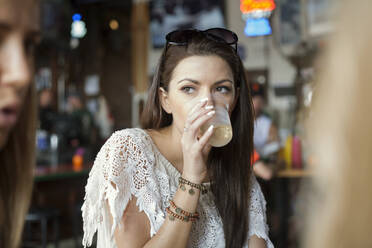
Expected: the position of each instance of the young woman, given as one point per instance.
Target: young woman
(19, 31)
(164, 185)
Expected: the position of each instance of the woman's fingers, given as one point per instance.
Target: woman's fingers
(201, 111)
(203, 140)
(201, 103)
(198, 117)
(199, 122)
(196, 111)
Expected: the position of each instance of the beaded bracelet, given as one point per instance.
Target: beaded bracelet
(183, 212)
(182, 181)
(173, 216)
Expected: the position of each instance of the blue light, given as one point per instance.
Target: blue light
(76, 17)
(257, 27)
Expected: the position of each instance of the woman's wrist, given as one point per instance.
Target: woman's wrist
(193, 186)
(197, 179)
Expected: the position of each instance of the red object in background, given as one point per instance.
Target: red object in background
(255, 157)
(296, 153)
(249, 6)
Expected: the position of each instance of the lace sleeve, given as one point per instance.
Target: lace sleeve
(123, 168)
(257, 214)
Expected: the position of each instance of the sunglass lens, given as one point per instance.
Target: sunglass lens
(179, 36)
(228, 36)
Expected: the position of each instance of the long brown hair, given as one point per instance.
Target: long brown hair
(341, 135)
(229, 166)
(16, 177)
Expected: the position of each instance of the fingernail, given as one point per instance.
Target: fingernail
(204, 99)
(211, 113)
(209, 107)
(210, 128)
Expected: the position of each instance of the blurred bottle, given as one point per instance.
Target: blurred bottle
(47, 148)
(287, 152)
(41, 140)
(78, 159)
(54, 141)
(296, 153)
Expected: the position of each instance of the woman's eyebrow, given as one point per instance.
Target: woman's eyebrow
(189, 79)
(223, 81)
(197, 82)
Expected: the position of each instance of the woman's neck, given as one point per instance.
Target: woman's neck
(168, 142)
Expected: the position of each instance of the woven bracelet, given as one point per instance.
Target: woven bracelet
(182, 181)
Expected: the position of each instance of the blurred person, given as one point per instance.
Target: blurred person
(164, 185)
(104, 119)
(47, 115)
(340, 130)
(82, 121)
(19, 32)
(265, 139)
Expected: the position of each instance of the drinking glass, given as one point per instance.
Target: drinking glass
(222, 131)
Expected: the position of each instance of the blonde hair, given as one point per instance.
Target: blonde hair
(16, 177)
(341, 131)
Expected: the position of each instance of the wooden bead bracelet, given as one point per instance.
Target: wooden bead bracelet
(183, 212)
(173, 216)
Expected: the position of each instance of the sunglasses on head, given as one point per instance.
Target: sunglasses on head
(182, 37)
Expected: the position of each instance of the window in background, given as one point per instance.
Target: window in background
(169, 15)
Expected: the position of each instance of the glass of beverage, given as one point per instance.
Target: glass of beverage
(222, 131)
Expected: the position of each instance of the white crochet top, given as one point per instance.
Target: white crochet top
(130, 161)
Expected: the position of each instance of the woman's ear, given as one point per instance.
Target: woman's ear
(164, 100)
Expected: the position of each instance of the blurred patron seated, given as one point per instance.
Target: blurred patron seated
(81, 119)
(265, 139)
(47, 114)
(63, 134)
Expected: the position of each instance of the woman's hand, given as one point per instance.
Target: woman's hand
(195, 147)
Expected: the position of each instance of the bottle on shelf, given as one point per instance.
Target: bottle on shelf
(287, 152)
(296, 153)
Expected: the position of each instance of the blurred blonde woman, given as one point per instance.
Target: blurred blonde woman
(341, 127)
(18, 32)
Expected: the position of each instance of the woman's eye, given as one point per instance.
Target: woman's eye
(223, 89)
(188, 89)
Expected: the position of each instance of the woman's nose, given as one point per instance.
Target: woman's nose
(206, 94)
(15, 65)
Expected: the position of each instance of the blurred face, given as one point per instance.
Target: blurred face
(258, 104)
(46, 98)
(74, 103)
(193, 79)
(19, 31)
